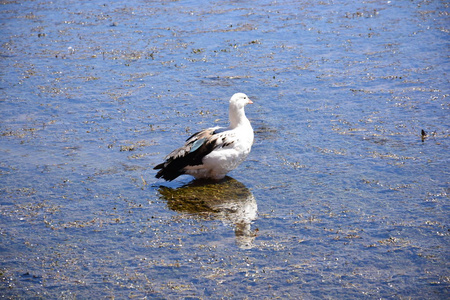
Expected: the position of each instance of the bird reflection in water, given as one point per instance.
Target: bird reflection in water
(228, 200)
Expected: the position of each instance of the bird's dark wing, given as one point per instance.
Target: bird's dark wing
(192, 153)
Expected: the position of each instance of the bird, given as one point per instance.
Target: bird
(213, 152)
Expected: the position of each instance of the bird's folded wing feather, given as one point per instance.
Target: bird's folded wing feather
(199, 145)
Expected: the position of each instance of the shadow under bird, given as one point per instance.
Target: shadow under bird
(228, 200)
(213, 152)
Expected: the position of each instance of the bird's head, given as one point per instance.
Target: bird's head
(240, 100)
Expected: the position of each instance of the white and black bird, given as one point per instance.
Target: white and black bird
(213, 152)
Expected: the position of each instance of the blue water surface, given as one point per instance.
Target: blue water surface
(345, 194)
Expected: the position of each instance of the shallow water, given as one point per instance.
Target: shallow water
(341, 197)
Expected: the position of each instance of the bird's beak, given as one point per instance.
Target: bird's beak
(250, 101)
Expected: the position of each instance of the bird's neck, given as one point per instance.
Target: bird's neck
(237, 117)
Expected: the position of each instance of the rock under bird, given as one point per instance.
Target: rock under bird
(213, 152)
